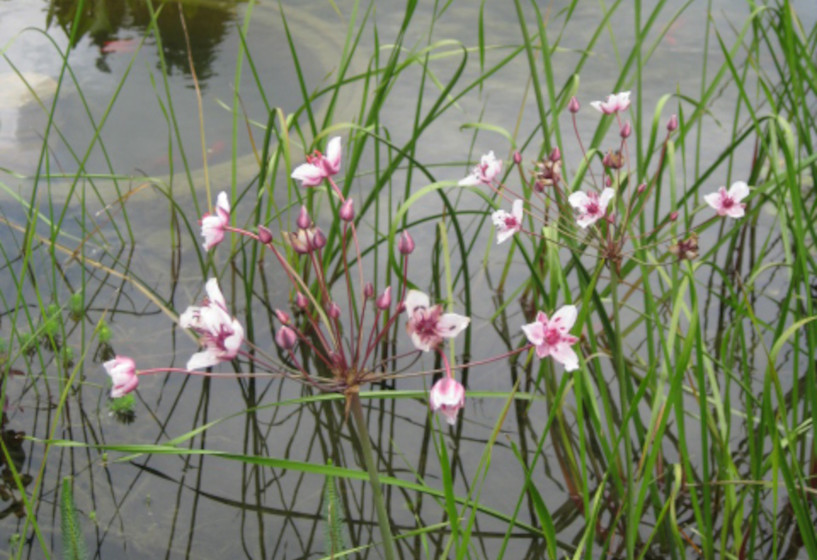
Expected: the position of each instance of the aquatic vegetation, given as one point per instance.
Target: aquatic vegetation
(426, 293)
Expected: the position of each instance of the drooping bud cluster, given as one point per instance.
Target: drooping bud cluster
(308, 238)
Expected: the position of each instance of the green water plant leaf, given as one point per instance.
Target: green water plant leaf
(73, 542)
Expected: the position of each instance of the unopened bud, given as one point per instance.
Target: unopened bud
(303, 221)
(517, 158)
(405, 244)
(641, 188)
(383, 301)
(673, 123)
(673, 216)
(333, 310)
(539, 186)
(626, 130)
(368, 290)
(608, 181)
(573, 105)
(318, 239)
(299, 241)
(301, 300)
(611, 218)
(264, 234)
(286, 338)
(555, 155)
(347, 210)
(283, 316)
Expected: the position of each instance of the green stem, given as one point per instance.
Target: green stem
(624, 397)
(368, 458)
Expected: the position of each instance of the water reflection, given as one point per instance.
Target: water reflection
(116, 26)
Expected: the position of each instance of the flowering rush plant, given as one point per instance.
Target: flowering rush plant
(343, 337)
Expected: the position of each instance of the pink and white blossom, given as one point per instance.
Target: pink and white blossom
(506, 223)
(615, 102)
(591, 206)
(319, 166)
(552, 337)
(728, 203)
(122, 370)
(447, 396)
(220, 333)
(213, 226)
(428, 325)
(488, 169)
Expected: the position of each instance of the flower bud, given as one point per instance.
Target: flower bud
(626, 130)
(347, 210)
(641, 188)
(299, 241)
(555, 155)
(517, 158)
(286, 338)
(405, 244)
(539, 186)
(383, 301)
(673, 123)
(318, 239)
(264, 234)
(303, 221)
(673, 216)
(282, 316)
(368, 290)
(608, 181)
(573, 105)
(301, 301)
(333, 310)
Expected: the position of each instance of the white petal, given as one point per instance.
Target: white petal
(333, 153)
(564, 353)
(606, 196)
(214, 293)
(503, 235)
(204, 359)
(586, 220)
(714, 200)
(578, 199)
(469, 181)
(565, 318)
(451, 324)
(518, 210)
(738, 191)
(415, 299)
(735, 211)
(597, 105)
(419, 343)
(534, 332)
(222, 202)
(190, 318)
(499, 217)
(310, 175)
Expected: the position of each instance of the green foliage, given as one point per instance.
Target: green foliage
(73, 541)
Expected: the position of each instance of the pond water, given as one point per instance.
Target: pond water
(136, 87)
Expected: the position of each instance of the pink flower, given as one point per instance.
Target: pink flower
(508, 224)
(487, 170)
(591, 206)
(428, 326)
(123, 374)
(448, 396)
(213, 225)
(220, 333)
(728, 203)
(319, 166)
(615, 102)
(552, 336)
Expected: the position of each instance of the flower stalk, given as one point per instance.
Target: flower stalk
(356, 409)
